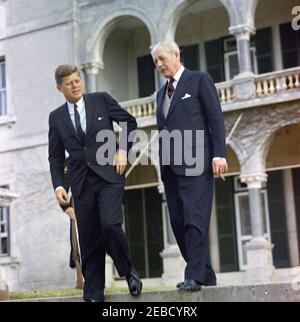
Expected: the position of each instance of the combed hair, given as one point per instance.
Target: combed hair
(64, 71)
(170, 45)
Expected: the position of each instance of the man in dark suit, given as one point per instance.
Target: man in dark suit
(83, 127)
(189, 102)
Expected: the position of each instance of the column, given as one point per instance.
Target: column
(91, 70)
(260, 267)
(213, 239)
(5, 199)
(242, 34)
(291, 220)
(173, 262)
(244, 87)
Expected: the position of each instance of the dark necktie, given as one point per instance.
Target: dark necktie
(78, 124)
(171, 87)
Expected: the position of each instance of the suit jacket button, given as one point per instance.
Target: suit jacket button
(88, 163)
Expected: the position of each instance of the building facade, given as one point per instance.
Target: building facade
(251, 49)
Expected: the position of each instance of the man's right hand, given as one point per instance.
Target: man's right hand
(71, 213)
(62, 197)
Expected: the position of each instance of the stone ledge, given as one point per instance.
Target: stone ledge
(251, 293)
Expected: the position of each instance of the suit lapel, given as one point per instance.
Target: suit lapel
(67, 119)
(180, 90)
(160, 100)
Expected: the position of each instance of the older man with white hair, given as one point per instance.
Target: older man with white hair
(189, 102)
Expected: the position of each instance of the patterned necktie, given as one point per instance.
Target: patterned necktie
(78, 124)
(171, 88)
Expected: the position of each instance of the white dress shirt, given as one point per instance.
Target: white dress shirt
(81, 110)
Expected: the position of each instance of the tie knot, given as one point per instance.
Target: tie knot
(171, 87)
(75, 106)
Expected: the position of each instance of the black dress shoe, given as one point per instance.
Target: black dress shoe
(180, 284)
(190, 286)
(135, 285)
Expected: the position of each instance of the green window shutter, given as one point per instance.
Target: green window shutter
(190, 57)
(296, 182)
(226, 225)
(146, 76)
(278, 219)
(264, 50)
(214, 53)
(290, 46)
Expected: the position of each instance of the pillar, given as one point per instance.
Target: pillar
(260, 267)
(244, 86)
(173, 262)
(213, 239)
(91, 70)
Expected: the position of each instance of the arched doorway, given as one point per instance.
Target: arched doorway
(128, 67)
(201, 34)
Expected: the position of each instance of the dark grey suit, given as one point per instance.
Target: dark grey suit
(97, 190)
(189, 198)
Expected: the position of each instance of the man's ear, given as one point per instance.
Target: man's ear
(58, 87)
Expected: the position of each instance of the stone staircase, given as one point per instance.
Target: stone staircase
(278, 292)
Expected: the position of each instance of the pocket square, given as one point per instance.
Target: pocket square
(186, 96)
(100, 118)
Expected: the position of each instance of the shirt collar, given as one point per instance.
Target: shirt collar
(80, 105)
(178, 74)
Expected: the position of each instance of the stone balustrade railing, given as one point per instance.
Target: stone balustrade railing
(265, 85)
(271, 83)
(141, 107)
(225, 90)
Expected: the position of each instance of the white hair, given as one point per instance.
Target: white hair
(169, 45)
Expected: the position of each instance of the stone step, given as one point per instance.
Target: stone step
(281, 292)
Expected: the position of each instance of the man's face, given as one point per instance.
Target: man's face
(72, 88)
(166, 63)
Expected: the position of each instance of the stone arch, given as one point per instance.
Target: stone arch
(174, 13)
(104, 26)
(240, 13)
(238, 150)
(269, 139)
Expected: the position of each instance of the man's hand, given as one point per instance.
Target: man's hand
(62, 197)
(120, 161)
(70, 213)
(220, 167)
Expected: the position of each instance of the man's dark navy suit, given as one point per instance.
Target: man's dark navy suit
(97, 190)
(194, 106)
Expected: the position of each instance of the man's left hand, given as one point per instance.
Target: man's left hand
(120, 161)
(220, 166)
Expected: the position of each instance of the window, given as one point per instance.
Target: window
(231, 62)
(4, 232)
(2, 88)
(222, 55)
(290, 46)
